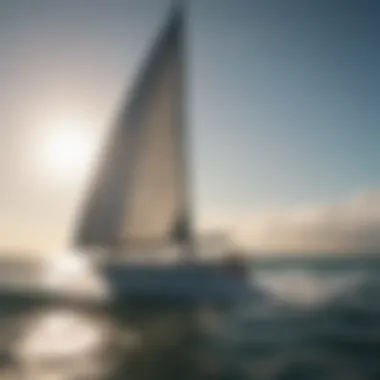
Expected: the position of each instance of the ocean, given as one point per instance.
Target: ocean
(305, 320)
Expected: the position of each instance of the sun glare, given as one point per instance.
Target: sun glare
(65, 152)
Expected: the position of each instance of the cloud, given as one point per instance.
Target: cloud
(351, 225)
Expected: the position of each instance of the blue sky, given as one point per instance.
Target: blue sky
(283, 97)
(291, 91)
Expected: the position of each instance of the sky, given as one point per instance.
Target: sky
(282, 105)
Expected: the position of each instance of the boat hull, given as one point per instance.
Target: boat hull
(174, 283)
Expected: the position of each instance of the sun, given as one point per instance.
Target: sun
(65, 151)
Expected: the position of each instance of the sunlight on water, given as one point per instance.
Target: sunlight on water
(298, 323)
(306, 289)
(74, 274)
(63, 343)
(67, 344)
(61, 333)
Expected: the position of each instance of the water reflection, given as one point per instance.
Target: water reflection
(276, 336)
(60, 344)
(68, 343)
(63, 342)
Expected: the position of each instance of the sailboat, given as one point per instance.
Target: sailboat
(139, 200)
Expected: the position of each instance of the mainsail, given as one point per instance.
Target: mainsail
(139, 195)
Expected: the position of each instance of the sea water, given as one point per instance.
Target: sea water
(300, 322)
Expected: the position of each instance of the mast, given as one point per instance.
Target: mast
(188, 243)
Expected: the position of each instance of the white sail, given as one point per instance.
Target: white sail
(139, 195)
